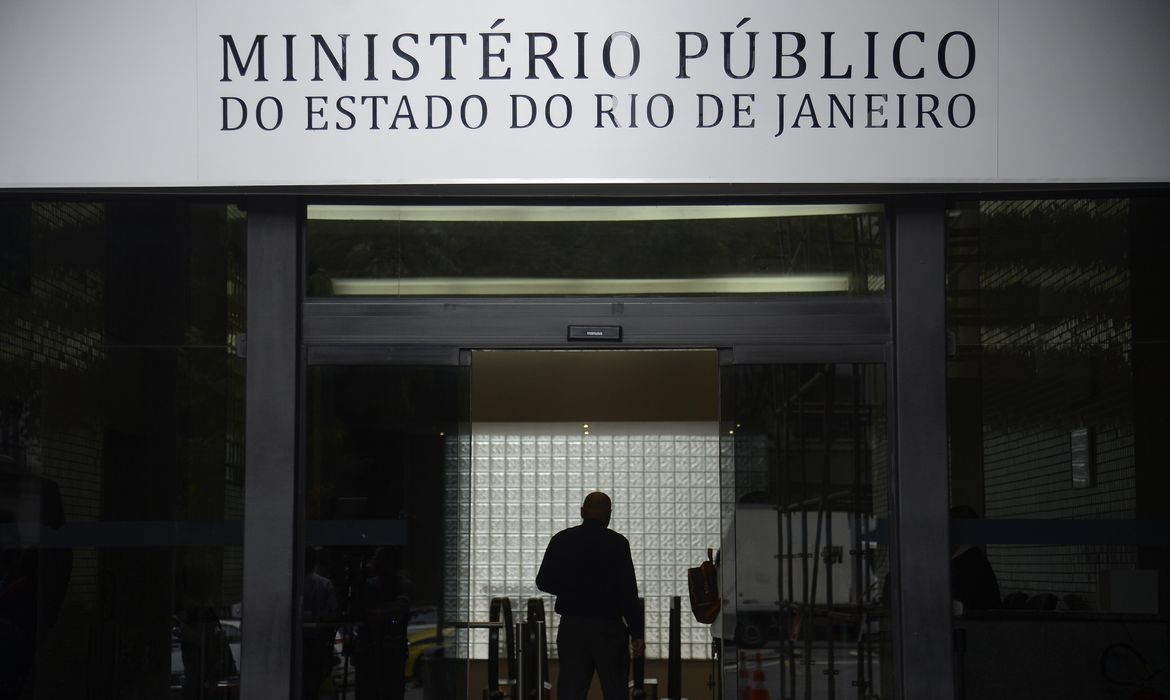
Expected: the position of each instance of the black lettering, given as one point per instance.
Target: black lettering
(341, 107)
(806, 111)
(449, 111)
(488, 54)
(370, 53)
(260, 113)
(898, 55)
(745, 110)
(516, 111)
(315, 111)
(796, 54)
(483, 113)
(607, 54)
(603, 111)
(568, 110)
(225, 101)
(683, 56)
(780, 118)
(751, 68)
(404, 111)
(829, 60)
(669, 111)
(447, 39)
(871, 110)
(970, 111)
(927, 112)
(871, 51)
(718, 104)
(373, 102)
(319, 46)
(401, 53)
(942, 55)
(546, 57)
(838, 107)
(257, 52)
(288, 57)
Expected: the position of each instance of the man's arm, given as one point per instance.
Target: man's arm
(628, 583)
(548, 578)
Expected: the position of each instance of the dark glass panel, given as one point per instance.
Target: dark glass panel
(532, 251)
(382, 532)
(1058, 417)
(121, 460)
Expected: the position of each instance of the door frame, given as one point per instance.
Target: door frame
(905, 329)
(375, 331)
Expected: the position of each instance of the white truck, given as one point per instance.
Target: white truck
(759, 578)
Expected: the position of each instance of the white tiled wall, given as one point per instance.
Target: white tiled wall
(526, 481)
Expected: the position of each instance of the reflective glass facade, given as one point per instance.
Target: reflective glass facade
(1057, 424)
(416, 493)
(595, 250)
(121, 449)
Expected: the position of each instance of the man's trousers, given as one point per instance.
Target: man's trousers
(588, 644)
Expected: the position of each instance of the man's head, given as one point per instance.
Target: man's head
(597, 507)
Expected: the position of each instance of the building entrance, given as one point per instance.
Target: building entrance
(433, 481)
(474, 371)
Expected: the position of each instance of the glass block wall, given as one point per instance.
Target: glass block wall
(527, 481)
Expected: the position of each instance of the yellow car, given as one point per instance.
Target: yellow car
(421, 643)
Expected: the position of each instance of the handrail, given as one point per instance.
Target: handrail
(500, 614)
(475, 625)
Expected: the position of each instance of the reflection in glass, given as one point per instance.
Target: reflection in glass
(121, 460)
(380, 496)
(804, 561)
(1058, 418)
(595, 250)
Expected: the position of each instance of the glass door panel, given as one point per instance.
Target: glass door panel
(642, 426)
(385, 466)
(804, 467)
(431, 490)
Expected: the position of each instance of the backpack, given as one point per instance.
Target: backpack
(703, 584)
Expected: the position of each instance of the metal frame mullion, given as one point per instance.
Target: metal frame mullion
(268, 657)
(919, 540)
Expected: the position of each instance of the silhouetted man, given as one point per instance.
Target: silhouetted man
(590, 571)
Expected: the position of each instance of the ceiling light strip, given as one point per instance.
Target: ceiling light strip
(329, 212)
(518, 286)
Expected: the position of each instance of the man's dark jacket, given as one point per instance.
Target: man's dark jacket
(590, 571)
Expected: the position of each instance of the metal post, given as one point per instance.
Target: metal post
(500, 610)
(537, 649)
(521, 686)
(674, 658)
(921, 575)
(826, 555)
(639, 670)
(270, 599)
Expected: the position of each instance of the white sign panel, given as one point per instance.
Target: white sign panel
(618, 90)
(223, 93)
